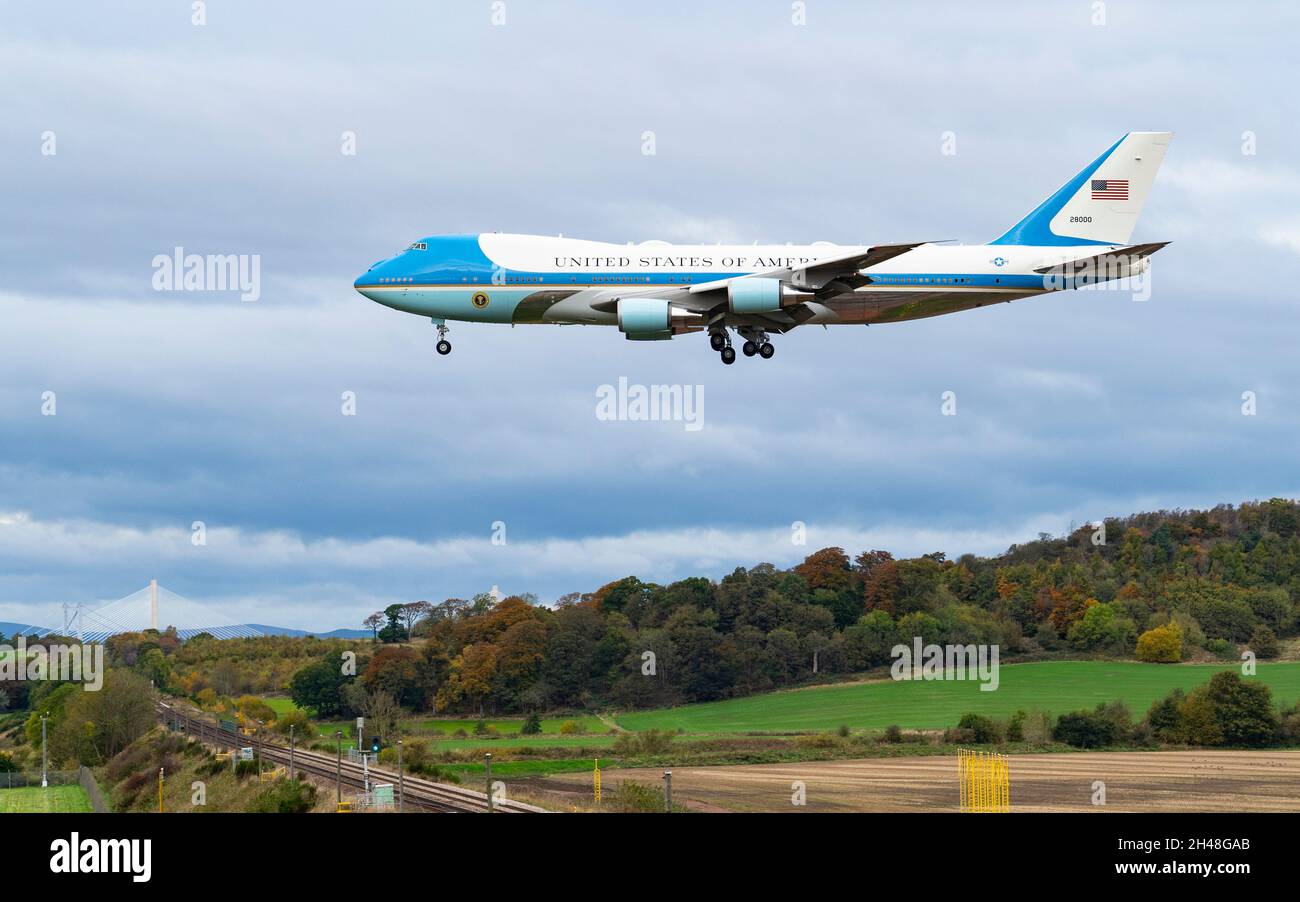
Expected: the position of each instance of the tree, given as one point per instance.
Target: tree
(95, 726)
(1263, 642)
(826, 569)
(373, 623)
(381, 712)
(1165, 718)
(1163, 645)
(393, 631)
(399, 671)
(1102, 626)
(413, 613)
(1084, 729)
(319, 687)
(470, 678)
(1243, 711)
(881, 585)
(253, 708)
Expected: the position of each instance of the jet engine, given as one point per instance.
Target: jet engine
(654, 319)
(755, 295)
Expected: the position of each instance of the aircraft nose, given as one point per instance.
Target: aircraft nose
(363, 282)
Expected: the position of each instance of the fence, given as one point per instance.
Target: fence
(81, 777)
(19, 779)
(97, 802)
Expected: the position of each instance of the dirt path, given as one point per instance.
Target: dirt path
(609, 722)
(1134, 781)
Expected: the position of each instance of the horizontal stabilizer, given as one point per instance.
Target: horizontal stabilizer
(1116, 257)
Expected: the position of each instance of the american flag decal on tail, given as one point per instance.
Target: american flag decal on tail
(1110, 189)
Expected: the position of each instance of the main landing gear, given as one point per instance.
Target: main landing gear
(443, 346)
(755, 343)
(720, 341)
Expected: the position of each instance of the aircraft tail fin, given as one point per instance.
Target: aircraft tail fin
(1101, 204)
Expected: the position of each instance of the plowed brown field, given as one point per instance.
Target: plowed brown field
(1135, 781)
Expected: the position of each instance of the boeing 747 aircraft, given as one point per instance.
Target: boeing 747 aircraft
(654, 290)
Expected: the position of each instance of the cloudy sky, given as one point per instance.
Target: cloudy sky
(227, 138)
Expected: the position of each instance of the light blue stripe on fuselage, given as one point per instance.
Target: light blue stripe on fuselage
(456, 300)
(530, 282)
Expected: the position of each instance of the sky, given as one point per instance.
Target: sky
(771, 122)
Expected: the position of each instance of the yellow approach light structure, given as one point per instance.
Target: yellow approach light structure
(595, 780)
(984, 782)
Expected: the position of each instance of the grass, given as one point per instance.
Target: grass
(51, 800)
(524, 768)
(505, 727)
(1058, 687)
(548, 741)
(282, 706)
(443, 731)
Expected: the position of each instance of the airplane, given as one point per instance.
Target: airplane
(654, 291)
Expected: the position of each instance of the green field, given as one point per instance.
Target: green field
(51, 800)
(508, 729)
(1058, 687)
(282, 706)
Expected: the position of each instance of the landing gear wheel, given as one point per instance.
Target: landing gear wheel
(717, 341)
(749, 349)
(444, 347)
(765, 350)
(728, 355)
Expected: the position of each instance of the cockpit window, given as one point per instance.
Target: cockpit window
(418, 246)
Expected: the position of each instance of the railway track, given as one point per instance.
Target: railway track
(418, 794)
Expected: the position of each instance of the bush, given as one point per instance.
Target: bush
(1165, 717)
(1288, 731)
(817, 741)
(892, 734)
(1225, 711)
(298, 721)
(570, 727)
(647, 742)
(1162, 645)
(1243, 710)
(843, 731)
(1121, 721)
(1263, 642)
(1037, 728)
(532, 725)
(285, 797)
(481, 728)
(1084, 729)
(253, 708)
(1221, 648)
(983, 730)
(246, 768)
(1016, 727)
(958, 736)
(631, 796)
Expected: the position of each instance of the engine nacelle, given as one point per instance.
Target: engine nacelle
(654, 319)
(754, 295)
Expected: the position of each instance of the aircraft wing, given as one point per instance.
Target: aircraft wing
(822, 278)
(824, 273)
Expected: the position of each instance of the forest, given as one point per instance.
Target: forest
(1165, 586)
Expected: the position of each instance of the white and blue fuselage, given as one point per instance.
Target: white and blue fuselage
(655, 290)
